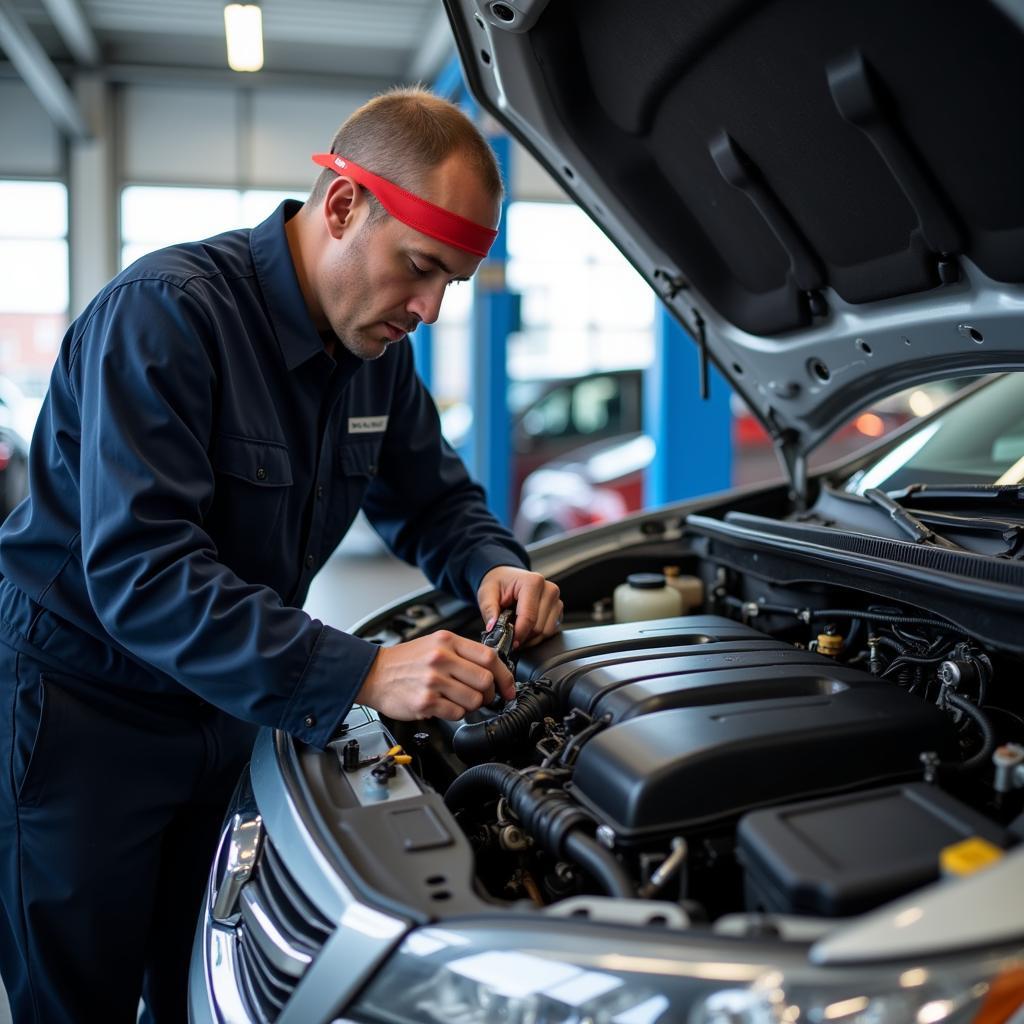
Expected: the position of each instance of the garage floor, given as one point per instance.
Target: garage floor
(360, 578)
(356, 581)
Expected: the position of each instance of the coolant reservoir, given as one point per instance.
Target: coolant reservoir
(646, 595)
(691, 587)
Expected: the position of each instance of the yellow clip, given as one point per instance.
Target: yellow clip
(395, 750)
(402, 758)
(829, 644)
(968, 856)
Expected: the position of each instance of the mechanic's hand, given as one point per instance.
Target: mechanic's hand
(537, 603)
(441, 675)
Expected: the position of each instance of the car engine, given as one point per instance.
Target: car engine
(820, 763)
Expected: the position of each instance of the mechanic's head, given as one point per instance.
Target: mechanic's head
(366, 275)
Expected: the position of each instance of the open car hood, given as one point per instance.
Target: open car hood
(829, 197)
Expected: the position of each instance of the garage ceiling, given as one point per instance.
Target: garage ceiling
(373, 41)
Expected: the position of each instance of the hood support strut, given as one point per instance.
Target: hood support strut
(702, 347)
(786, 440)
(793, 460)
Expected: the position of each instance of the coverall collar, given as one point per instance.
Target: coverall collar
(296, 333)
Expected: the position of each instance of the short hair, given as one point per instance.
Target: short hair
(402, 135)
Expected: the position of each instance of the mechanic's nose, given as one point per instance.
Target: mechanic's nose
(426, 304)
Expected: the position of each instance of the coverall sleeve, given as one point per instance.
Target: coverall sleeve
(145, 378)
(423, 502)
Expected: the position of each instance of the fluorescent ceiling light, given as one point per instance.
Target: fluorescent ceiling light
(243, 26)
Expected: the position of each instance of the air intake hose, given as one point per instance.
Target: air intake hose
(550, 816)
(981, 720)
(476, 742)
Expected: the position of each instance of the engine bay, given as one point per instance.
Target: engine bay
(817, 756)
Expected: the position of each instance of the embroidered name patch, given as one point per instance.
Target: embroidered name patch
(367, 424)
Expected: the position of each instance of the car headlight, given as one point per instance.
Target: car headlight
(518, 974)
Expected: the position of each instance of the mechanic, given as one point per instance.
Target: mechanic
(216, 417)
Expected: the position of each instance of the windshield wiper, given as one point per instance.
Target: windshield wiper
(908, 522)
(1003, 496)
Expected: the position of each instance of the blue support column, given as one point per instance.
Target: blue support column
(495, 316)
(451, 84)
(487, 451)
(450, 81)
(423, 353)
(693, 438)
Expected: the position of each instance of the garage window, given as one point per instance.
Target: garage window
(34, 284)
(584, 307)
(155, 216)
(584, 310)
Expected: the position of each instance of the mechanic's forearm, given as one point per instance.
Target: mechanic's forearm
(456, 540)
(232, 643)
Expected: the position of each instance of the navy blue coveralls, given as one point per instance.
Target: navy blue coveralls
(197, 459)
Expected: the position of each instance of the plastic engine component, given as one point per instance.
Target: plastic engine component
(847, 854)
(711, 719)
(725, 676)
(684, 768)
(632, 640)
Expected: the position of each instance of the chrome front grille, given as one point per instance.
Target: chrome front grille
(279, 933)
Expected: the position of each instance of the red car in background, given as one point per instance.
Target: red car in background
(18, 414)
(556, 417)
(603, 481)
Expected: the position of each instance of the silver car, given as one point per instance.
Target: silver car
(792, 789)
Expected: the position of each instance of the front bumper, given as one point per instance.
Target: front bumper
(301, 943)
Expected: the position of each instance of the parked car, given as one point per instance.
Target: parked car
(802, 797)
(17, 420)
(13, 469)
(604, 481)
(554, 416)
(598, 483)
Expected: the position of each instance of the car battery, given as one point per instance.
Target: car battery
(847, 854)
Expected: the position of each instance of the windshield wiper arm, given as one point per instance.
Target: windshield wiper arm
(908, 522)
(1005, 496)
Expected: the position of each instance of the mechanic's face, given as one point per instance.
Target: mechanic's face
(382, 279)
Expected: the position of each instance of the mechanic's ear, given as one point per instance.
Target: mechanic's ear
(340, 203)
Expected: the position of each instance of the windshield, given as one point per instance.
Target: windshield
(978, 440)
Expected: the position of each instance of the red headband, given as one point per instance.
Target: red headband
(424, 217)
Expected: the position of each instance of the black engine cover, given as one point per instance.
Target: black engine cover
(713, 719)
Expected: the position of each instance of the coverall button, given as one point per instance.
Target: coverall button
(309, 561)
(320, 490)
(261, 474)
(309, 721)
(373, 469)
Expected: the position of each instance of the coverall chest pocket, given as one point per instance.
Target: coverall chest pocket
(357, 467)
(358, 459)
(253, 481)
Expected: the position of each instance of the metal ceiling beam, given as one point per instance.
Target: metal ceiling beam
(164, 74)
(157, 74)
(434, 49)
(40, 74)
(74, 29)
